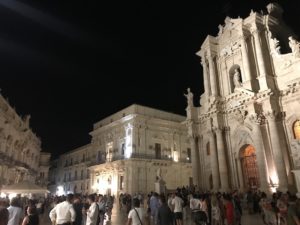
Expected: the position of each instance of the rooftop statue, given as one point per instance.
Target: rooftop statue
(189, 97)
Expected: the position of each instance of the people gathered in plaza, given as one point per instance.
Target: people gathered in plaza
(173, 208)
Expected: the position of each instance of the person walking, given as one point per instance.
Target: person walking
(3, 215)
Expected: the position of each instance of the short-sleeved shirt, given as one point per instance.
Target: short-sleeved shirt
(134, 217)
(177, 202)
(15, 215)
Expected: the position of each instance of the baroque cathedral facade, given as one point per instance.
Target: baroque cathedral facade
(246, 132)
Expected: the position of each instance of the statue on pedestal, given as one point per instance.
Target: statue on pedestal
(160, 184)
(190, 98)
(295, 46)
(237, 79)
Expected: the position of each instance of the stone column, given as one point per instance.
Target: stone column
(240, 173)
(201, 175)
(232, 168)
(214, 162)
(223, 170)
(245, 56)
(195, 160)
(262, 72)
(212, 76)
(260, 152)
(276, 140)
(205, 77)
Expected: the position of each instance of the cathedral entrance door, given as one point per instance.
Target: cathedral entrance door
(249, 167)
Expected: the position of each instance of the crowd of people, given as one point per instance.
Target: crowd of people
(202, 208)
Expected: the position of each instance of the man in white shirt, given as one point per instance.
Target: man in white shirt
(177, 202)
(15, 212)
(63, 213)
(92, 213)
(136, 215)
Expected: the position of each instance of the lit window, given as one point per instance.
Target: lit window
(296, 129)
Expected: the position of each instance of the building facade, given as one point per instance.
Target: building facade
(70, 173)
(128, 152)
(20, 149)
(246, 133)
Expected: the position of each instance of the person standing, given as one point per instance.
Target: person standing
(32, 217)
(135, 215)
(15, 212)
(164, 214)
(3, 216)
(63, 213)
(92, 213)
(177, 202)
(77, 205)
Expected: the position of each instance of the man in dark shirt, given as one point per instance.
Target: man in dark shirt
(77, 205)
(164, 215)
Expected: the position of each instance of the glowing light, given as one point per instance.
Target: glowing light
(60, 191)
(12, 195)
(2, 195)
(176, 156)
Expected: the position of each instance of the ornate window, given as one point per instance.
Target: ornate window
(296, 129)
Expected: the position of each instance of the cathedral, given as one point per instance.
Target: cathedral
(246, 132)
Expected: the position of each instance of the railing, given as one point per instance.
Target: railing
(138, 156)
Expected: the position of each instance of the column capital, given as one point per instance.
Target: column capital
(275, 116)
(258, 118)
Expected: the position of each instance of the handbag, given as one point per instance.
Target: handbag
(138, 216)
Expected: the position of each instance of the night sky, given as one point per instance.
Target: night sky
(71, 63)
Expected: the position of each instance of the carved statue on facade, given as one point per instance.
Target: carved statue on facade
(274, 45)
(189, 97)
(158, 175)
(295, 46)
(220, 29)
(237, 79)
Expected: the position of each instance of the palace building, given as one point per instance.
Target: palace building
(246, 132)
(20, 150)
(129, 151)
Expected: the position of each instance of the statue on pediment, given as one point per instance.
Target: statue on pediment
(295, 46)
(190, 98)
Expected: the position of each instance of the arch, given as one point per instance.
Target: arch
(231, 73)
(249, 166)
(296, 129)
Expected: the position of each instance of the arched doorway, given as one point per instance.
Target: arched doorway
(249, 167)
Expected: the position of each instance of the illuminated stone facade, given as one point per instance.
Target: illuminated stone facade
(245, 134)
(70, 172)
(133, 145)
(20, 149)
(127, 150)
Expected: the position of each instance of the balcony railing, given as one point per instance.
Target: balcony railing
(138, 156)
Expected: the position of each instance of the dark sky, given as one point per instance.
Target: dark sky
(71, 63)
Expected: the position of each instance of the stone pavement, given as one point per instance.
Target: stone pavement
(119, 218)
